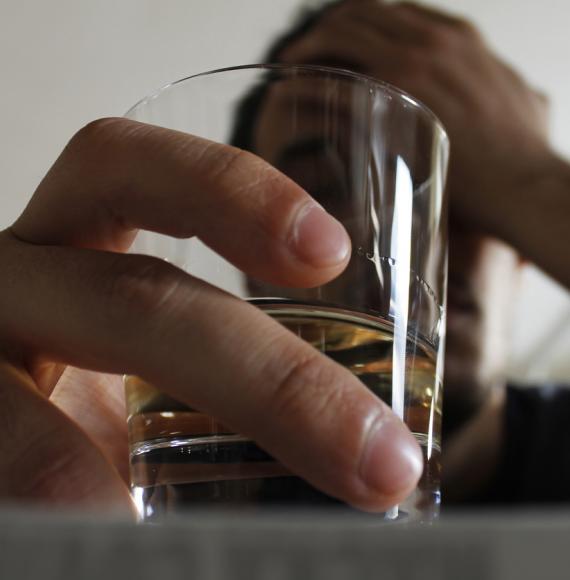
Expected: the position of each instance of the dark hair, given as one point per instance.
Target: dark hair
(246, 111)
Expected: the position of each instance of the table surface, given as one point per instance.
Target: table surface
(275, 546)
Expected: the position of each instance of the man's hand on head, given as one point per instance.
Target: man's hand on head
(496, 122)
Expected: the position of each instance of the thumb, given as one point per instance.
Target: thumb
(46, 458)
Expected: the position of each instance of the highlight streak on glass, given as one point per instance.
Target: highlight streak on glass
(432, 421)
(400, 291)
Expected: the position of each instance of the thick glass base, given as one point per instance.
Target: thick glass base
(171, 476)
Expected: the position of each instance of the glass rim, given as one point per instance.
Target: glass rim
(384, 86)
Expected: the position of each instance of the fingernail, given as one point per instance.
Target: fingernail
(392, 461)
(319, 239)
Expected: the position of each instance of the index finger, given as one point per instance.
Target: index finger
(118, 175)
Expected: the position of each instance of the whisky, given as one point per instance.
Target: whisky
(180, 458)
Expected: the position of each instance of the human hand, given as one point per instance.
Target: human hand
(71, 298)
(496, 122)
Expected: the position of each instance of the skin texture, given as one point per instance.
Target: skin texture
(71, 300)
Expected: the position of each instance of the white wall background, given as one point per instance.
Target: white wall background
(66, 62)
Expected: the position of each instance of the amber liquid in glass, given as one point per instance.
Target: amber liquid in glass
(180, 458)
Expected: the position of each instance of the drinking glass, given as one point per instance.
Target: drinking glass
(376, 159)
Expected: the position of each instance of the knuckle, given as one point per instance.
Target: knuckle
(414, 65)
(451, 34)
(141, 287)
(104, 142)
(335, 16)
(100, 144)
(465, 27)
(437, 22)
(440, 38)
(310, 386)
(99, 134)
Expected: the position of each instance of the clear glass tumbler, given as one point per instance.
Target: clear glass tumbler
(376, 159)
